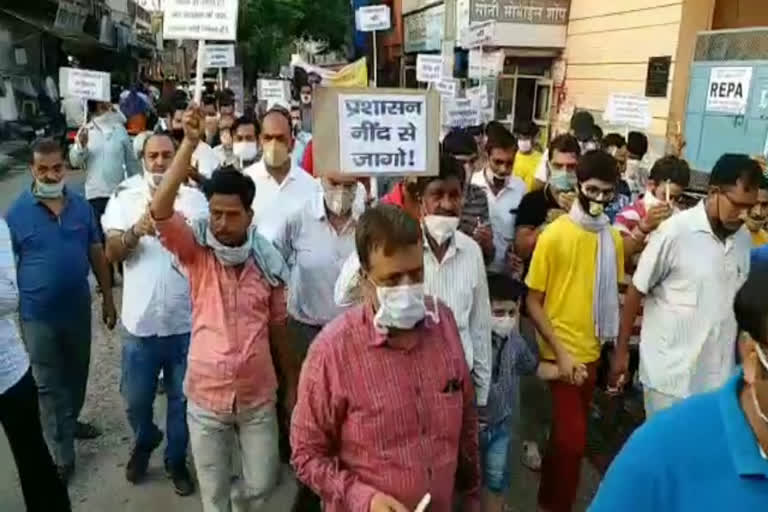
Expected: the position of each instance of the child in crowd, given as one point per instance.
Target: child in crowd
(512, 357)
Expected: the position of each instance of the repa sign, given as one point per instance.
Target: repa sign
(728, 90)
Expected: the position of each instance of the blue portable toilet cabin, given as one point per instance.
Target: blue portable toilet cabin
(727, 109)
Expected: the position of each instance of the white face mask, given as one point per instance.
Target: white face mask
(245, 150)
(229, 256)
(441, 227)
(525, 145)
(153, 179)
(503, 325)
(338, 199)
(400, 307)
(306, 99)
(48, 190)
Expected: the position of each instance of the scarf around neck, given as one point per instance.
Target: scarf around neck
(605, 300)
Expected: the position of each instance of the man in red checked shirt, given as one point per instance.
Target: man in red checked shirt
(385, 411)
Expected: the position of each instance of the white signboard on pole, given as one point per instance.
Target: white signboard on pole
(478, 34)
(373, 18)
(200, 19)
(447, 87)
(382, 133)
(628, 110)
(85, 84)
(483, 65)
(728, 90)
(219, 55)
(460, 113)
(274, 91)
(429, 68)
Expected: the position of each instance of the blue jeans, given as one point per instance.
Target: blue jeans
(143, 358)
(494, 448)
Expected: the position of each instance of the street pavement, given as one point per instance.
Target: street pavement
(99, 483)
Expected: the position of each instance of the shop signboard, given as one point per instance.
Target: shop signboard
(423, 31)
(531, 12)
(71, 15)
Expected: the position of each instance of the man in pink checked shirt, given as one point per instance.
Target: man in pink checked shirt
(385, 411)
(236, 282)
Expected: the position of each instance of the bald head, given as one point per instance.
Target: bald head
(276, 126)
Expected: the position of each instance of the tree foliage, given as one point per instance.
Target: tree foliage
(267, 29)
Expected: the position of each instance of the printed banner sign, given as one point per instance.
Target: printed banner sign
(628, 109)
(460, 113)
(429, 68)
(274, 90)
(372, 18)
(200, 19)
(447, 87)
(728, 90)
(376, 131)
(478, 34)
(84, 83)
(219, 55)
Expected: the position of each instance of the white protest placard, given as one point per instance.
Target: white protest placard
(447, 87)
(485, 64)
(84, 83)
(219, 55)
(460, 113)
(478, 34)
(628, 109)
(200, 19)
(479, 94)
(382, 133)
(373, 18)
(429, 68)
(274, 90)
(729, 90)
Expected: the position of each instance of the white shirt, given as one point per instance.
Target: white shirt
(275, 202)
(690, 279)
(14, 361)
(315, 252)
(205, 159)
(155, 294)
(503, 212)
(461, 282)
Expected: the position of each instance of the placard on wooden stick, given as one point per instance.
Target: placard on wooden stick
(376, 132)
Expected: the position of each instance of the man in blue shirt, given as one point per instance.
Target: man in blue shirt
(56, 240)
(708, 452)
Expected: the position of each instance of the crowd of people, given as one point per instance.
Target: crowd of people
(377, 337)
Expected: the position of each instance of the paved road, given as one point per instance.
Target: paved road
(99, 484)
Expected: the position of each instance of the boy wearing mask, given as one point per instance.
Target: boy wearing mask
(528, 157)
(573, 302)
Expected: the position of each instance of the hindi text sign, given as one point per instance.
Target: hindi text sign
(429, 68)
(460, 112)
(373, 18)
(530, 12)
(84, 83)
(274, 90)
(729, 90)
(482, 64)
(628, 110)
(200, 19)
(478, 34)
(447, 87)
(219, 55)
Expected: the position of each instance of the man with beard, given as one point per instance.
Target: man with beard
(687, 278)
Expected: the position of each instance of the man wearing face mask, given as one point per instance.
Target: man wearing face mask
(504, 193)
(156, 314)
(282, 188)
(528, 157)
(305, 106)
(359, 443)
(204, 159)
(686, 277)
(237, 290)
(104, 150)
(585, 130)
(707, 453)
(245, 146)
(573, 302)
(540, 207)
(56, 241)
(454, 270)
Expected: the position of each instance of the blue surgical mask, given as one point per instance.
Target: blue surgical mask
(562, 180)
(48, 190)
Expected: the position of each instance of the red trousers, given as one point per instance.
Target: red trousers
(561, 467)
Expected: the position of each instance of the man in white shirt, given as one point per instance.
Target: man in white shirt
(156, 313)
(689, 274)
(504, 192)
(282, 188)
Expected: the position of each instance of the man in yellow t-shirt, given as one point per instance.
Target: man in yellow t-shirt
(757, 216)
(528, 158)
(573, 301)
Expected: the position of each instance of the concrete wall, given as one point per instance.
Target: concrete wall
(607, 51)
